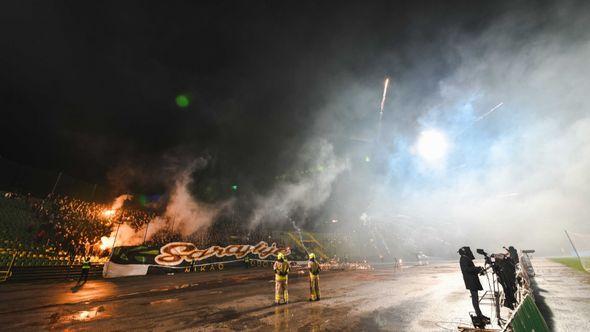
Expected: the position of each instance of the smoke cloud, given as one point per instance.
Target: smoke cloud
(119, 201)
(318, 168)
(518, 175)
(186, 214)
(508, 92)
(183, 213)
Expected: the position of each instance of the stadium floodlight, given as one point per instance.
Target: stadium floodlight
(432, 146)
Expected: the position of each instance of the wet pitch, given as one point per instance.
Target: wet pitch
(416, 298)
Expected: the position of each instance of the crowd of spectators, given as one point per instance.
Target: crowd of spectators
(70, 225)
(73, 226)
(138, 218)
(222, 233)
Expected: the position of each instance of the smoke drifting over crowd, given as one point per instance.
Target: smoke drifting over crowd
(188, 214)
(483, 136)
(182, 213)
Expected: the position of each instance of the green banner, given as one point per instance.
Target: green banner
(528, 318)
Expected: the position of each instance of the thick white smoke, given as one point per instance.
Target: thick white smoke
(183, 214)
(183, 211)
(309, 191)
(119, 201)
(520, 175)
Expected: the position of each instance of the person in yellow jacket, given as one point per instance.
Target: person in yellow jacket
(314, 278)
(281, 268)
(85, 270)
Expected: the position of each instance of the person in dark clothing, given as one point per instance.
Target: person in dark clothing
(513, 255)
(506, 277)
(470, 277)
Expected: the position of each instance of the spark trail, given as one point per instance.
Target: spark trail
(300, 236)
(489, 112)
(385, 86)
(481, 117)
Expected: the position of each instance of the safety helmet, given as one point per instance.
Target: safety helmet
(311, 255)
(280, 256)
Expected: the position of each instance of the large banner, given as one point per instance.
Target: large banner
(138, 260)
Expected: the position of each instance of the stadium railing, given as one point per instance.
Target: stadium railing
(526, 316)
(5, 274)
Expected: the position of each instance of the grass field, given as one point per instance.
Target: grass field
(572, 262)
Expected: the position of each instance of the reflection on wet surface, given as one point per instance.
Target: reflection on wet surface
(317, 318)
(388, 300)
(66, 317)
(163, 301)
(281, 318)
(89, 291)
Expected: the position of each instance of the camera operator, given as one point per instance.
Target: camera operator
(513, 255)
(506, 272)
(470, 277)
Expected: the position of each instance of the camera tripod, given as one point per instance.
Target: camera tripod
(495, 293)
(494, 290)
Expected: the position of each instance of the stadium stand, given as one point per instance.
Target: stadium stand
(49, 237)
(32, 247)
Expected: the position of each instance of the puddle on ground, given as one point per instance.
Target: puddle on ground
(83, 315)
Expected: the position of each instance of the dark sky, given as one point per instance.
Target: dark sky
(89, 86)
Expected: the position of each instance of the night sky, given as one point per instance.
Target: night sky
(89, 88)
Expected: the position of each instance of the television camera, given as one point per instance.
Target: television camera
(502, 274)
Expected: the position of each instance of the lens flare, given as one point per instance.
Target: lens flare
(182, 101)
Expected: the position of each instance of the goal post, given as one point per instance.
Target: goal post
(581, 245)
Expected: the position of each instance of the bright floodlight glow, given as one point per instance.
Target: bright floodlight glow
(432, 145)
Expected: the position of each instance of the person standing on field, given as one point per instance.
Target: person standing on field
(281, 268)
(314, 278)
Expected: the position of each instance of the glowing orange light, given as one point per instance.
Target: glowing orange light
(108, 213)
(106, 242)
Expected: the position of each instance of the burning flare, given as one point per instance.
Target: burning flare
(108, 213)
(106, 242)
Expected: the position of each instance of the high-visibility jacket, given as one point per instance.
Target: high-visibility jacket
(314, 267)
(281, 269)
(86, 264)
